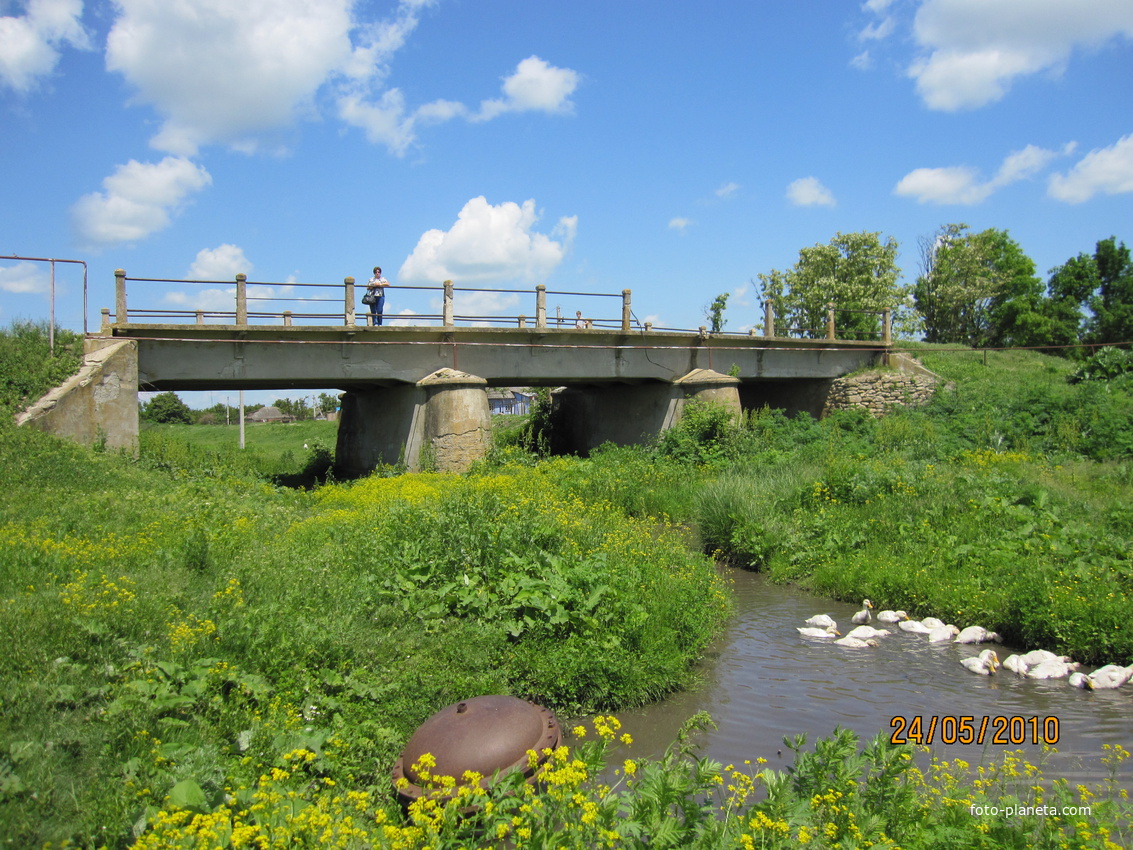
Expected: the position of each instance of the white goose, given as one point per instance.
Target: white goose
(863, 616)
(942, 634)
(821, 621)
(1038, 656)
(915, 627)
(891, 616)
(1016, 665)
(1052, 669)
(866, 632)
(855, 643)
(1080, 680)
(815, 632)
(976, 634)
(933, 623)
(983, 664)
(1109, 677)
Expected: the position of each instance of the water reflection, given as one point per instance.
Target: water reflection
(762, 681)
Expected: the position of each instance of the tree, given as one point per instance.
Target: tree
(297, 409)
(166, 408)
(1112, 304)
(977, 289)
(714, 312)
(857, 272)
(328, 403)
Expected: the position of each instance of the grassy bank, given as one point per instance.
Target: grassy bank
(1005, 503)
(171, 630)
(198, 657)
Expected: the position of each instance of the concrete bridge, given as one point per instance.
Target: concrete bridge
(419, 393)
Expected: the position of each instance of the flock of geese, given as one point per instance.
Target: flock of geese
(1036, 664)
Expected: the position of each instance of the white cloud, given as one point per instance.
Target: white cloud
(209, 300)
(24, 278)
(680, 223)
(727, 190)
(226, 72)
(1020, 165)
(489, 244)
(221, 263)
(953, 185)
(862, 62)
(405, 322)
(138, 200)
(1108, 170)
(975, 49)
(224, 300)
(809, 192)
(386, 119)
(961, 184)
(29, 45)
(535, 86)
(878, 31)
(239, 73)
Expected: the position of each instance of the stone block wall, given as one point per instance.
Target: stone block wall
(877, 392)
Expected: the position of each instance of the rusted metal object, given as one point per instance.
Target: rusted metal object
(489, 735)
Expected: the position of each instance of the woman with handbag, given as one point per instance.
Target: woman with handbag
(376, 296)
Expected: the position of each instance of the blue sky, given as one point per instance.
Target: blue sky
(676, 149)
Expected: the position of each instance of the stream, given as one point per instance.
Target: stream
(762, 681)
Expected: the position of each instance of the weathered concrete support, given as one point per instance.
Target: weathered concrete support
(442, 422)
(585, 417)
(99, 405)
(458, 422)
(709, 386)
(378, 426)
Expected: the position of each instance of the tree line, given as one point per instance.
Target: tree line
(977, 289)
(168, 408)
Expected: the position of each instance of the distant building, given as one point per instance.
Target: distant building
(269, 414)
(509, 400)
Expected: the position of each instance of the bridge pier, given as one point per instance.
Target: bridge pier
(442, 422)
(586, 417)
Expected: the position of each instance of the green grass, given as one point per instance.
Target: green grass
(195, 654)
(171, 625)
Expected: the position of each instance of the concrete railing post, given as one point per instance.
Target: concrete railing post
(120, 316)
(287, 318)
(523, 321)
(348, 312)
(648, 327)
(769, 318)
(105, 319)
(830, 320)
(886, 327)
(200, 317)
(540, 306)
(447, 318)
(241, 299)
(626, 312)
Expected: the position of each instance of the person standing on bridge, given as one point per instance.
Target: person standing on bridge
(376, 293)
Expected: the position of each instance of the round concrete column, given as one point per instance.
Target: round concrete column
(709, 386)
(457, 420)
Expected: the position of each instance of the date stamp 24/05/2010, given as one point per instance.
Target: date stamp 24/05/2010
(1007, 730)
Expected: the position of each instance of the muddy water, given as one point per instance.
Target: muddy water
(763, 681)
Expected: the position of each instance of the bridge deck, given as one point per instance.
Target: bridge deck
(194, 357)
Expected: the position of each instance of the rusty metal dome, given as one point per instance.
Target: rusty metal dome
(488, 734)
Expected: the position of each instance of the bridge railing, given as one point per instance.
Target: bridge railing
(243, 302)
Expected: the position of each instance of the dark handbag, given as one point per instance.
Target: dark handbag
(370, 298)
